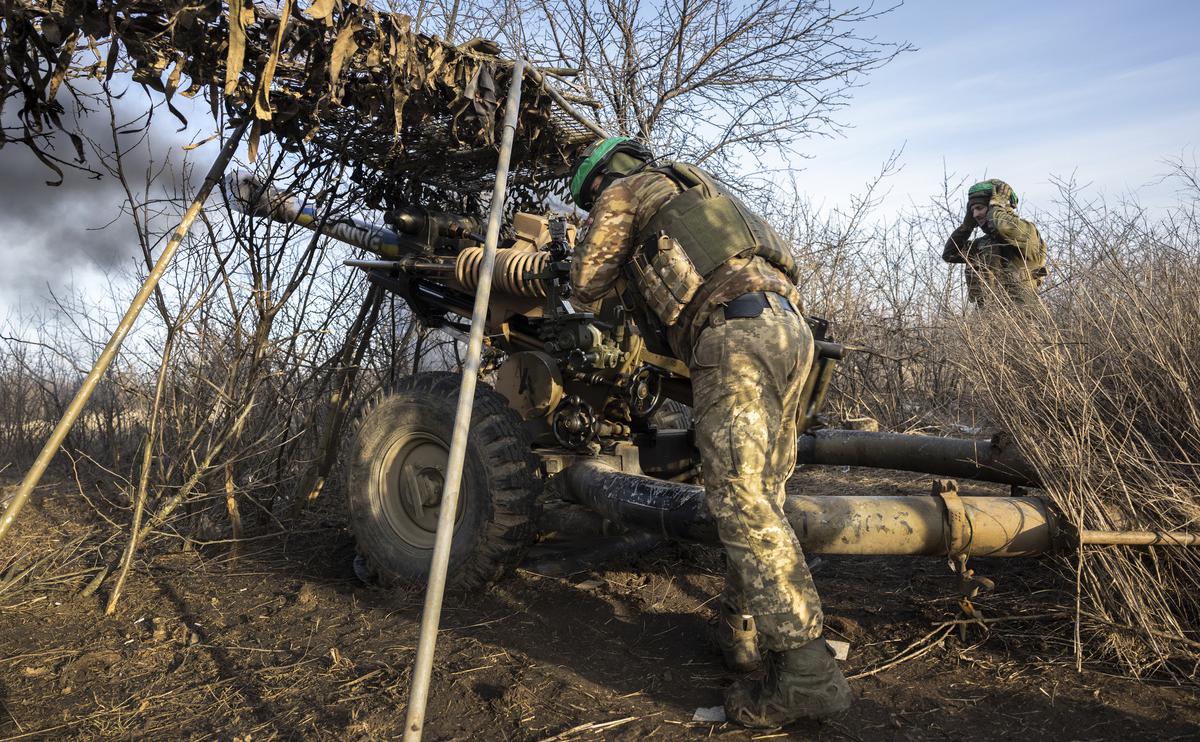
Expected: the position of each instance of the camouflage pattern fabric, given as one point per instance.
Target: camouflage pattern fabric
(1003, 224)
(417, 117)
(995, 270)
(619, 214)
(1007, 261)
(747, 375)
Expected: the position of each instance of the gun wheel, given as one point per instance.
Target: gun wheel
(397, 468)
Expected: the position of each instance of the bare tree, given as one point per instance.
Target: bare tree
(709, 81)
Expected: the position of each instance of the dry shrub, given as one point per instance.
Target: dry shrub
(1098, 387)
(879, 279)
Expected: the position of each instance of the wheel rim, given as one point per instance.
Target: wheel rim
(409, 479)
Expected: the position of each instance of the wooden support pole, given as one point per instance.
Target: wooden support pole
(59, 434)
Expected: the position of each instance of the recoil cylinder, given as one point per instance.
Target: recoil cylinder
(509, 276)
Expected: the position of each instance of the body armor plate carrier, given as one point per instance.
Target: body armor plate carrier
(694, 234)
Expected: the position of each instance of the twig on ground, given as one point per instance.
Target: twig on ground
(594, 726)
(920, 647)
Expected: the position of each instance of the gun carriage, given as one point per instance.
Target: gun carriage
(585, 408)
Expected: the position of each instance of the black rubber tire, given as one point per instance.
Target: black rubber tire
(397, 438)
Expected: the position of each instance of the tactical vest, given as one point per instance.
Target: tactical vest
(692, 235)
(996, 265)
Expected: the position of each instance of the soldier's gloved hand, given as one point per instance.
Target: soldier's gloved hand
(1001, 194)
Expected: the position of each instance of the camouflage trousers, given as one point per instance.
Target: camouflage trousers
(747, 376)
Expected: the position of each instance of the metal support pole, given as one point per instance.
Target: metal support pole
(59, 434)
(419, 693)
(1138, 538)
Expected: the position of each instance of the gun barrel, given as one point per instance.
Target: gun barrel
(255, 198)
(375, 265)
(415, 221)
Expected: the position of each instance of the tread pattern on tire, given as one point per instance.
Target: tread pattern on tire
(513, 472)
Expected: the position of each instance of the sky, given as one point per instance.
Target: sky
(1102, 91)
(59, 240)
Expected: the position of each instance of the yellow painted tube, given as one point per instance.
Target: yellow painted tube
(879, 526)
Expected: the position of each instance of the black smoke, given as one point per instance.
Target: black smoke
(53, 237)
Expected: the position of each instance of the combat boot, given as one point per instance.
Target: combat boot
(738, 639)
(803, 683)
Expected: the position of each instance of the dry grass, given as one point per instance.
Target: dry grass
(1098, 388)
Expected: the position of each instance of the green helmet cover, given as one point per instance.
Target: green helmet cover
(980, 189)
(585, 169)
(983, 190)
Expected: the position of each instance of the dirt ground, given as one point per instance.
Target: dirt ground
(284, 642)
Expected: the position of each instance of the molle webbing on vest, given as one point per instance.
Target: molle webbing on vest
(712, 225)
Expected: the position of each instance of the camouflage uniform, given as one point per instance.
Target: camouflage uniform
(1007, 261)
(747, 374)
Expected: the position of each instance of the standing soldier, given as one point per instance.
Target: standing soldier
(717, 282)
(1009, 260)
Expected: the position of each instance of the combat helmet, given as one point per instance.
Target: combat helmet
(982, 192)
(619, 156)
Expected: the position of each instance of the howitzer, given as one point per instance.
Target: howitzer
(585, 402)
(582, 382)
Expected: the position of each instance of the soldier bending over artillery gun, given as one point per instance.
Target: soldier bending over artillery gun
(707, 314)
(715, 280)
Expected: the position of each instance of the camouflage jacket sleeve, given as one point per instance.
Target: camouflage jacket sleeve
(1003, 223)
(956, 247)
(607, 246)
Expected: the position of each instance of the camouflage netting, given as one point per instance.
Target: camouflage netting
(417, 120)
